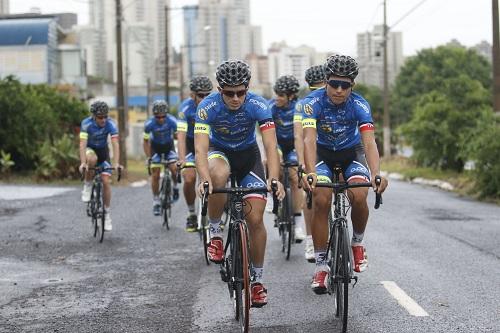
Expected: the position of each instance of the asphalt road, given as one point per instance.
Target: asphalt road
(430, 247)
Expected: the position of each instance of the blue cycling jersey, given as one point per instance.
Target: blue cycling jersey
(186, 117)
(232, 130)
(160, 133)
(338, 126)
(283, 119)
(96, 136)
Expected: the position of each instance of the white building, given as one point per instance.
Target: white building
(371, 56)
(143, 38)
(4, 7)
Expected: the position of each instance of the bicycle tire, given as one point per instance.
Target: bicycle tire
(96, 202)
(205, 238)
(289, 222)
(242, 285)
(281, 224)
(165, 204)
(102, 218)
(341, 278)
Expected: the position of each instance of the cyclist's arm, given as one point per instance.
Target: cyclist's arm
(146, 145)
(201, 143)
(310, 135)
(271, 147)
(372, 157)
(116, 150)
(298, 137)
(83, 148)
(181, 144)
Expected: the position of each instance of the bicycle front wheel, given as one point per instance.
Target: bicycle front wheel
(241, 266)
(165, 200)
(95, 207)
(102, 217)
(205, 238)
(341, 278)
(289, 222)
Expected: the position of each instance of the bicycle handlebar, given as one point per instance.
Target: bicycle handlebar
(179, 168)
(344, 186)
(162, 162)
(239, 190)
(101, 169)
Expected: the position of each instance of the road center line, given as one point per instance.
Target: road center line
(404, 300)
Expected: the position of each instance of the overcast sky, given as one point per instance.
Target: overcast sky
(332, 25)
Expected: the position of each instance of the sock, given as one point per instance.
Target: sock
(87, 184)
(357, 239)
(299, 220)
(156, 199)
(215, 230)
(321, 260)
(191, 209)
(258, 272)
(309, 240)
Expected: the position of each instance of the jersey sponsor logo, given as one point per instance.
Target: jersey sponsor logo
(263, 106)
(358, 169)
(309, 123)
(362, 105)
(203, 112)
(202, 128)
(308, 110)
(255, 184)
(326, 128)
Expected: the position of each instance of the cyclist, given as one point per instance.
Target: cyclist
(229, 118)
(315, 78)
(94, 132)
(282, 109)
(338, 128)
(200, 86)
(158, 142)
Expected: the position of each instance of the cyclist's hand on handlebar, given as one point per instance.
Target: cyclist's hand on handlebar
(379, 188)
(280, 193)
(309, 180)
(148, 161)
(201, 187)
(181, 163)
(83, 167)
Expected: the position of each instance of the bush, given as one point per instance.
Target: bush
(59, 159)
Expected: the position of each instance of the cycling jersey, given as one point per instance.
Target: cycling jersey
(338, 126)
(160, 133)
(283, 119)
(232, 130)
(96, 136)
(186, 117)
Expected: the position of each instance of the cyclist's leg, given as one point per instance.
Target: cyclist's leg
(189, 177)
(357, 172)
(91, 160)
(297, 198)
(172, 157)
(322, 198)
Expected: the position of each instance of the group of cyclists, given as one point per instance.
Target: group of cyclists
(216, 134)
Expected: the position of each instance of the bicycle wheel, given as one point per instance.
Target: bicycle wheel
(282, 228)
(205, 238)
(341, 278)
(102, 217)
(95, 206)
(242, 278)
(289, 223)
(165, 202)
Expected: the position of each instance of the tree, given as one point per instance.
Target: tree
(430, 70)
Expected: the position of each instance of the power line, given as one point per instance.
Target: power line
(408, 13)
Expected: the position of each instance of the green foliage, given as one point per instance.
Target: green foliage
(430, 70)
(484, 149)
(374, 97)
(32, 115)
(59, 159)
(5, 162)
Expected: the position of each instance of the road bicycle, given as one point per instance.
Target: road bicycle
(339, 251)
(165, 191)
(95, 207)
(235, 270)
(285, 217)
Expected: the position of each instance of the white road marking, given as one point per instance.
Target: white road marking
(404, 300)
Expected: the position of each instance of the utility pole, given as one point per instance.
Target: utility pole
(167, 88)
(148, 96)
(386, 116)
(181, 78)
(120, 98)
(496, 58)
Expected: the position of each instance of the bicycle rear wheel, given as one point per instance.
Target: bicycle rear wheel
(102, 217)
(242, 281)
(289, 222)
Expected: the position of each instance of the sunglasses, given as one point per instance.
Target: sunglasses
(231, 94)
(202, 95)
(160, 117)
(101, 117)
(335, 84)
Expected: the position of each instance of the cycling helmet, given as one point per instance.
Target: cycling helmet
(200, 83)
(99, 108)
(315, 74)
(233, 73)
(286, 84)
(341, 65)
(160, 106)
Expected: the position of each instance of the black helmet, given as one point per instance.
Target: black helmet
(99, 108)
(233, 73)
(315, 74)
(286, 84)
(341, 65)
(160, 106)
(200, 83)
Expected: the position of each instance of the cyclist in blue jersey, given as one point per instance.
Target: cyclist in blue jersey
(225, 142)
(94, 132)
(200, 87)
(158, 144)
(282, 108)
(315, 78)
(338, 129)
